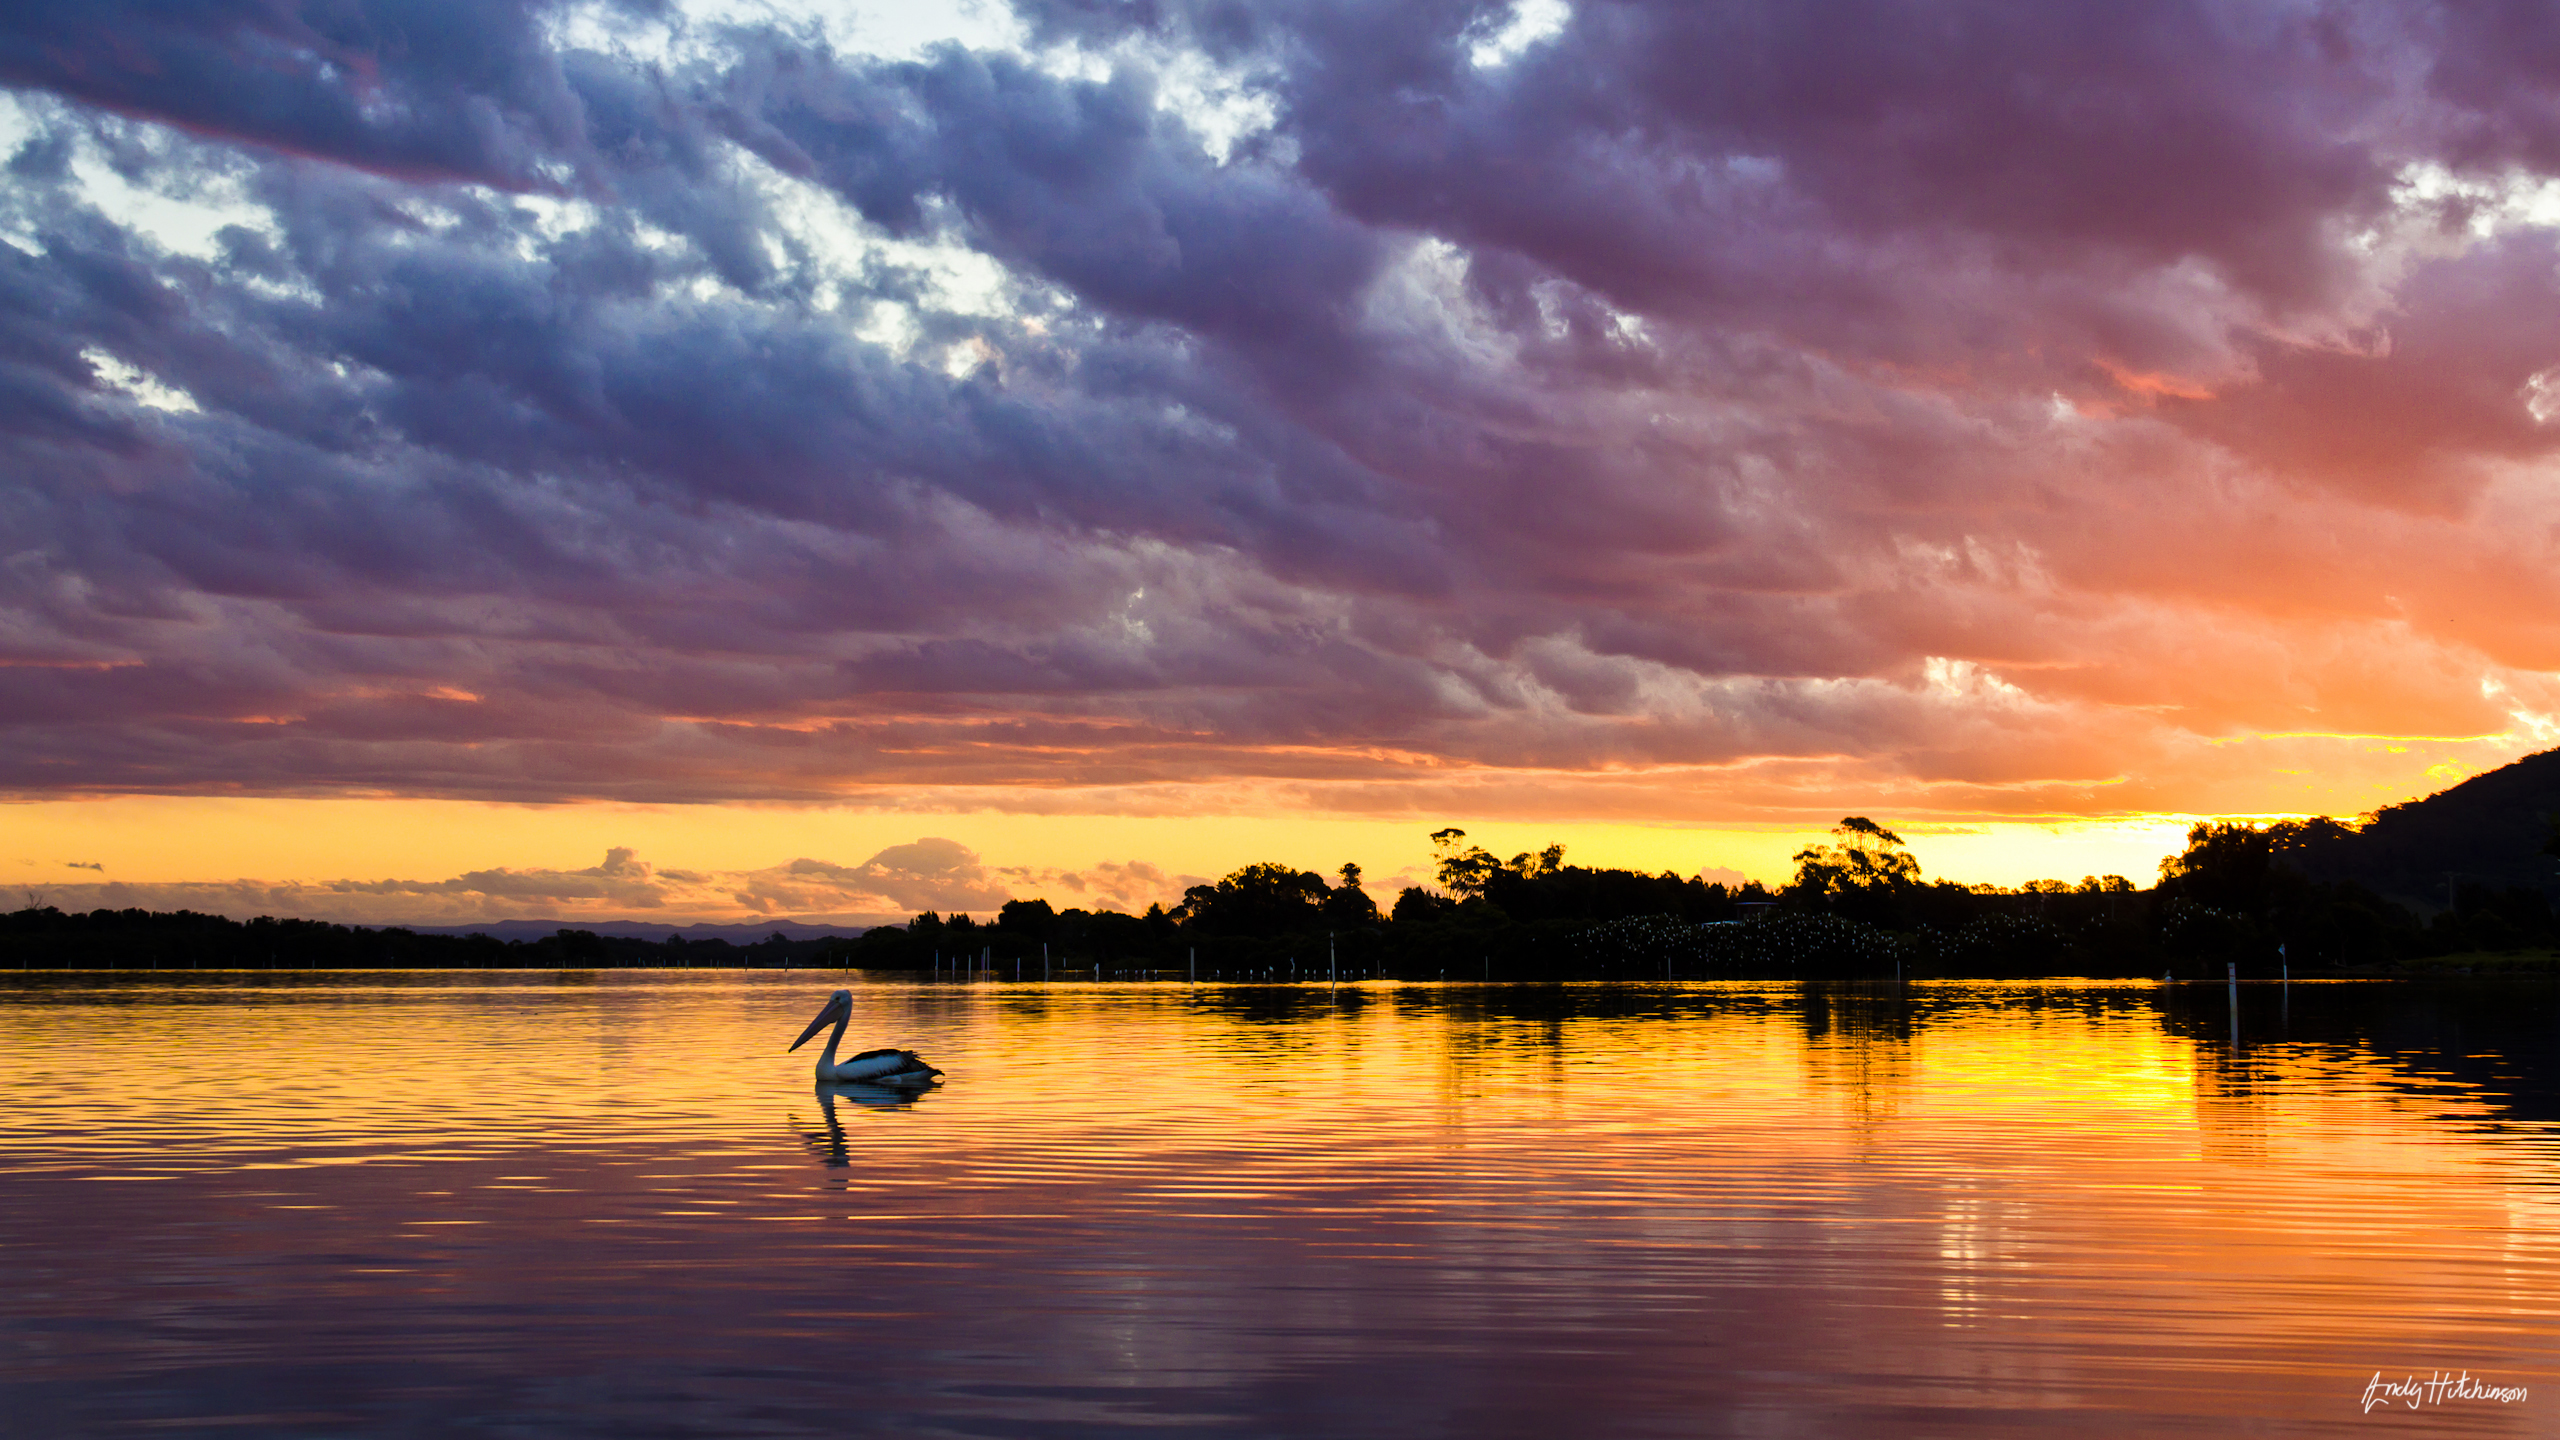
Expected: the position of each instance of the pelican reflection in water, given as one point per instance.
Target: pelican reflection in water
(902, 1069)
(830, 1147)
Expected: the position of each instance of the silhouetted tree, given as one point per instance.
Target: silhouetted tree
(1415, 905)
(1464, 869)
(1261, 899)
(2229, 867)
(1865, 873)
(1032, 920)
(1348, 906)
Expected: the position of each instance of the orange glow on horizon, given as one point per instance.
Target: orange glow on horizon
(148, 841)
(389, 859)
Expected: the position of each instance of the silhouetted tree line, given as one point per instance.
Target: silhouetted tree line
(1498, 919)
(2237, 894)
(45, 938)
(1858, 905)
(2239, 889)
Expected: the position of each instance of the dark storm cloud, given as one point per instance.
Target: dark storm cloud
(1076, 181)
(1857, 175)
(1994, 397)
(427, 89)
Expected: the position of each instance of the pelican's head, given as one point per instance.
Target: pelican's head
(839, 1007)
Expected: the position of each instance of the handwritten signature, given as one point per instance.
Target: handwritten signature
(2436, 1390)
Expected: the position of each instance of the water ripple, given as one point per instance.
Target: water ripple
(611, 1203)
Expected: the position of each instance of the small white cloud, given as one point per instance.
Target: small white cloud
(141, 385)
(2542, 395)
(1531, 21)
(181, 202)
(1965, 680)
(1223, 109)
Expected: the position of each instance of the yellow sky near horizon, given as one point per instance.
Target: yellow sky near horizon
(380, 860)
(148, 841)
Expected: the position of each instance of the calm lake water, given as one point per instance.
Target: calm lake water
(609, 1205)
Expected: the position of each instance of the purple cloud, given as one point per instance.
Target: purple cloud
(1990, 405)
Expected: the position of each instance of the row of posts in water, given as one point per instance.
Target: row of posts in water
(985, 966)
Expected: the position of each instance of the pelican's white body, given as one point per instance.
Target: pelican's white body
(871, 1067)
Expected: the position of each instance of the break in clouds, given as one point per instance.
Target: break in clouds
(1595, 409)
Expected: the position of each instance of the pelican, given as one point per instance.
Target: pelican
(871, 1067)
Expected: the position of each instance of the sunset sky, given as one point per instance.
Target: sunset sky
(466, 458)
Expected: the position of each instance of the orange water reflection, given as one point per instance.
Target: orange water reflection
(1390, 1210)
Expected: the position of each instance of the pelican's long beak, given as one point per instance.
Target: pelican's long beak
(826, 1017)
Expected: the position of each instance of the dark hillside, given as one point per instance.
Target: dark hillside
(2488, 831)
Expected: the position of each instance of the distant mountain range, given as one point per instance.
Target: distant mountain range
(643, 930)
(2488, 830)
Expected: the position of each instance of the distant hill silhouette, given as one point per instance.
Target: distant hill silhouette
(2489, 830)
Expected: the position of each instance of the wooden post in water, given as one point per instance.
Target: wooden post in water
(1195, 964)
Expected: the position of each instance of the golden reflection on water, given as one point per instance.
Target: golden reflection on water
(1888, 1209)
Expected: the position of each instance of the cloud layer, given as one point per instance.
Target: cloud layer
(1745, 411)
(889, 888)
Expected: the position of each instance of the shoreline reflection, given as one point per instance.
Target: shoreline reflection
(1688, 1208)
